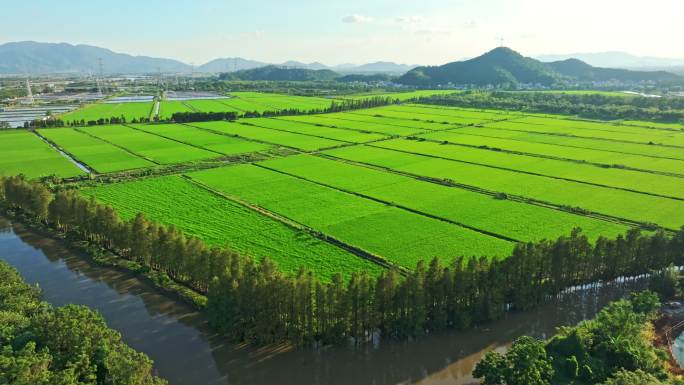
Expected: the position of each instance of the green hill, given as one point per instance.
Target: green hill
(278, 73)
(503, 66)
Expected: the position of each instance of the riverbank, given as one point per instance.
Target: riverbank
(187, 352)
(667, 329)
(158, 279)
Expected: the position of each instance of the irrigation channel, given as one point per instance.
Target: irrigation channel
(186, 352)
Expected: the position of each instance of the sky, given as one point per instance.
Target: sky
(351, 31)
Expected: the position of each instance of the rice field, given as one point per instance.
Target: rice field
(152, 147)
(220, 144)
(399, 183)
(93, 112)
(25, 153)
(97, 154)
(399, 236)
(220, 222)
(266, 135)
(612, 202)
(299, 126)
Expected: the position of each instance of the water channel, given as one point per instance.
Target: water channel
(186, 352)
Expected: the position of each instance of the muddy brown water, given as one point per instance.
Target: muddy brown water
(186, 352)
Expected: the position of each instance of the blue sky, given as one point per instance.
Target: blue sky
(333, 32)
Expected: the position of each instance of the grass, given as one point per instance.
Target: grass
(149, 146)
(220, 222)
(288, 139)
(25, 153)
(615, 177)
(401, 237)
(95, 153)
(223, 144)
(93, 112)
(505, 218)
(317, 129)
(622, 204)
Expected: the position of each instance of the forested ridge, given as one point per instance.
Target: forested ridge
(251, 300)
(590, 106)
(70, 345)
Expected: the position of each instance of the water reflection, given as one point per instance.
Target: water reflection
(185, 351)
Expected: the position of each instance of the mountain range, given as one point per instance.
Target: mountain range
(617, 60)
(505, 66)
(48, 58)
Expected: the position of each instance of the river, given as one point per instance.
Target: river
(186, 352)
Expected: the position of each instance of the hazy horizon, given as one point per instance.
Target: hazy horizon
(430, 32)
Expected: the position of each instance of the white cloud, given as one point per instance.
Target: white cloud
(409, 19)
(356, 19)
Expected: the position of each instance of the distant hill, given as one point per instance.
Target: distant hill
(230, 65)
(381, 67)
(577, 69)
(30, 57)
(498, 66)
(279, 73)
(38, 58)
(616, 60)
(308, 66)
(505, 66)
(380, 77)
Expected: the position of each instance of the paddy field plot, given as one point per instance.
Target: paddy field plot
(274, 102)
(93, 112)
(400, 236)
(593, 130)
(93, 152)
(212, 105)
(430, 118)
(152, 147)
(317, 129)
(414, 126)
(219, 222)
(483, 138)
(338, 121)
(287, 139)
(222, 144)
(620, 204)
(648, 183)
(578, 142)
(505, 218)
(169, 107)
(22, 152)
(437, 111)
(667, 126)
(402, 96)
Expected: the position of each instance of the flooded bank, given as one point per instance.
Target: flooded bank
(186, 352)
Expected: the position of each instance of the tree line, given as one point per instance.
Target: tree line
(69, 345)
(614, 348)
(252, 300)
(590, 106)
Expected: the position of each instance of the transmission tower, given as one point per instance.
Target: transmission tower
(29, 94)
(100, 79)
